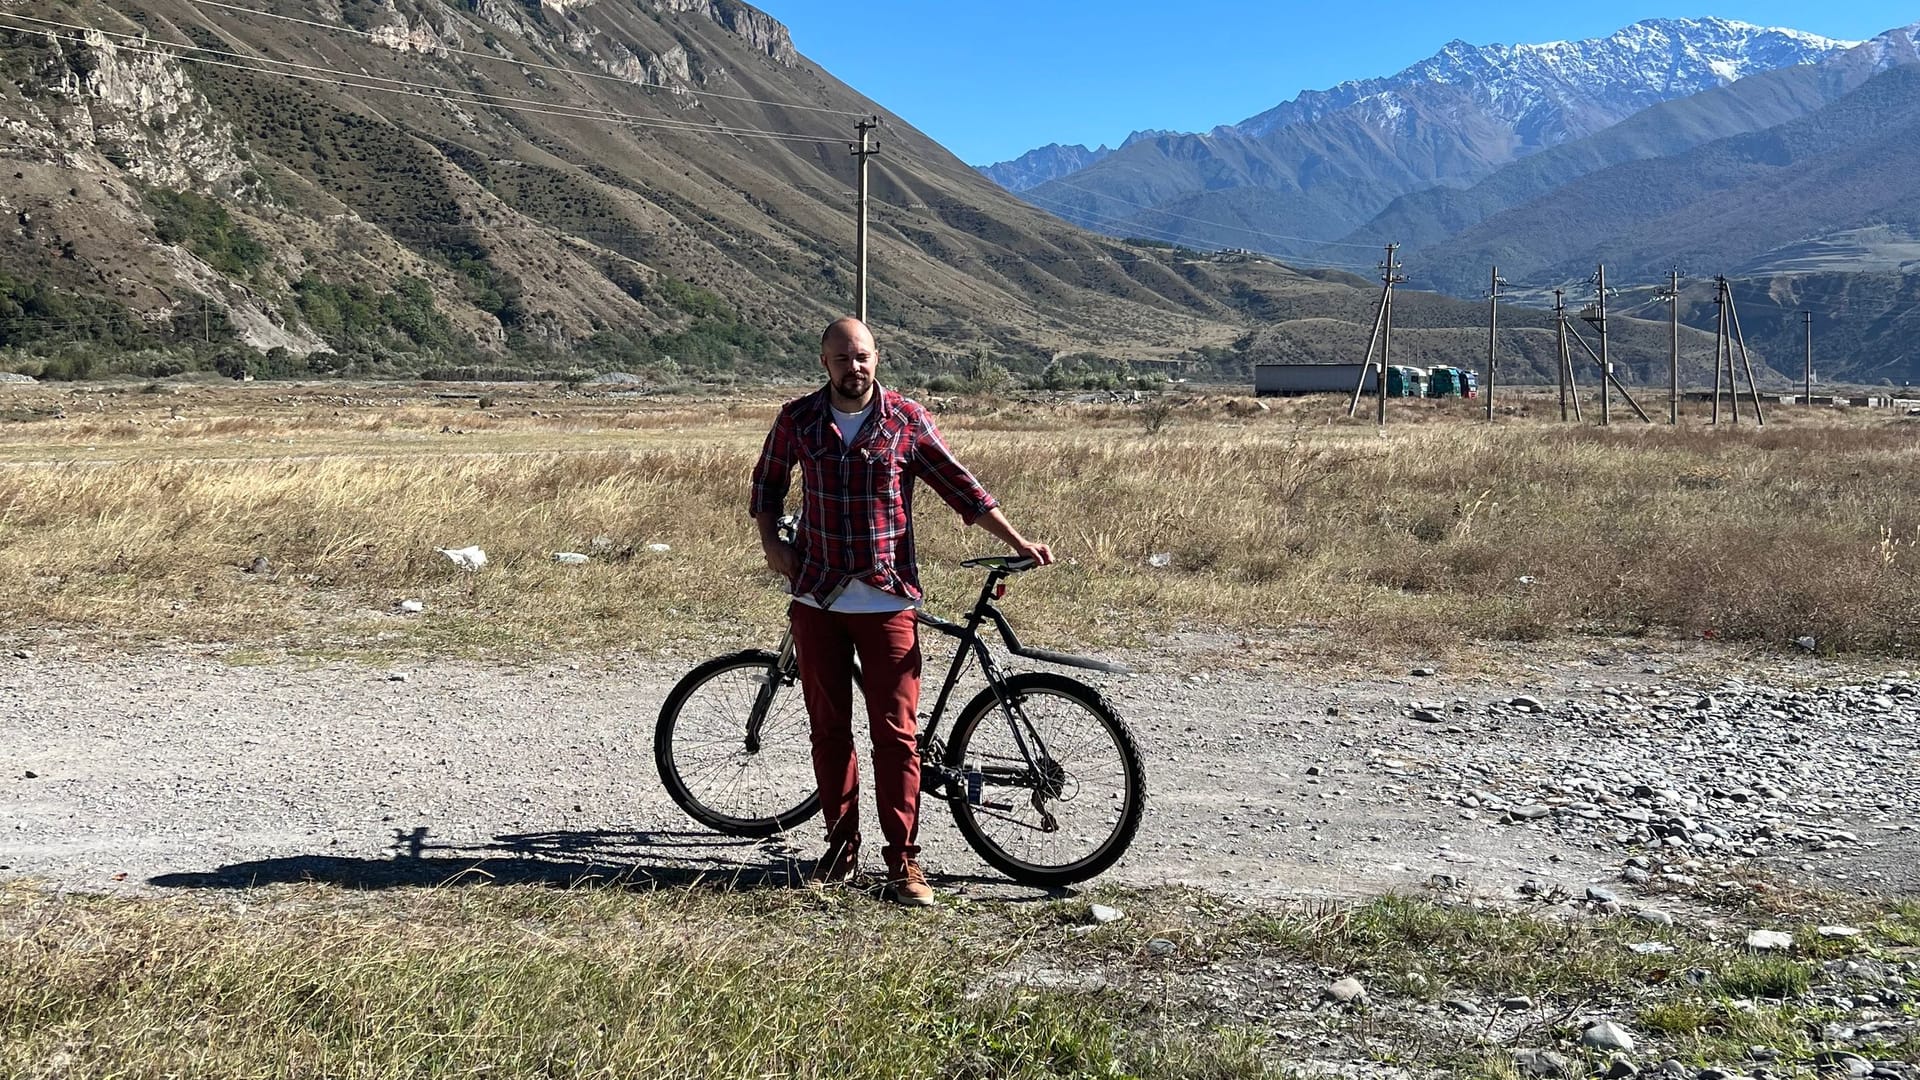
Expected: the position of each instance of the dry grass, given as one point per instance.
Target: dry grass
(133, 515)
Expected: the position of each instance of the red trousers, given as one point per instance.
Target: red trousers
(888, 645)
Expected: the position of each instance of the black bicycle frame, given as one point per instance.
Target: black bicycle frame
(968, 635)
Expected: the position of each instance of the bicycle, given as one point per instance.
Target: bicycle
(1052, 797)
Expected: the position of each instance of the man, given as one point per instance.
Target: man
(860, 449)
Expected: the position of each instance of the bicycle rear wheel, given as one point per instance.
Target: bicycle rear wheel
(1073, 815)
(706, 762)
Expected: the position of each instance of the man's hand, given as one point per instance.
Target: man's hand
(996, 523)
(781, 558)
(1039, 553)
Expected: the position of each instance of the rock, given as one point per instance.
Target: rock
(1542, 1063)
(1601, 896)
(1844, 1061)
(31, 775)
(396, 676)
(1162, 947)
(1838, 931)
(1650, 948)
(569, 558)
(1428, 716)
(1530, 812)
(1423, 672)
(1607, 1035)
(259, 565)
(1633, 875)
(22, 654)
(1653, 915)
(1160, 560)
(1769, 940)
(1461, 1006)
(412, 607)
(1620, 1067)
(659, 549)
(1517, 1003)
(1528, 702)
(1103, 914)
(1347, 991)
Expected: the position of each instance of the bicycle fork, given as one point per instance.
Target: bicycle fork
(776, 674)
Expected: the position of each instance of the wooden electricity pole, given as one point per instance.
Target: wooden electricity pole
(1746, 361)
(1673, 354)
(1493, 329)
(1806, 319)
(1606, 364)
(864, 151)
(1383, 333)
(1723, 352)
(1569, 386)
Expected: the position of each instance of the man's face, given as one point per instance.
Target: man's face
(850, 359)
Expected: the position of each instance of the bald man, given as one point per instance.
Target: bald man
(861, 448)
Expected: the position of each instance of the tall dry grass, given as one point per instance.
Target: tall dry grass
(1439, 530)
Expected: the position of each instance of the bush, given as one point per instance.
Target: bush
(205, 228)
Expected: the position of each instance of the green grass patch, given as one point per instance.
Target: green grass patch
(1765, 977)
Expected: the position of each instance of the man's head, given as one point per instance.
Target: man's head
(848, 354)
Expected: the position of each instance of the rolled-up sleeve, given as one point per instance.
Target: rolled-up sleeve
(935, 464)
(774, 471)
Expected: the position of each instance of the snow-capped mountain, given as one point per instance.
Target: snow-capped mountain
(1565, 89)
(1327, 161)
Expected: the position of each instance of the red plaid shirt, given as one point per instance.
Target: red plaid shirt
(857, 501)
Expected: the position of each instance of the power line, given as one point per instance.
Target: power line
(532, 64)
(356, 81)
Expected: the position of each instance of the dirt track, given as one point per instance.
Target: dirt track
(166, 769)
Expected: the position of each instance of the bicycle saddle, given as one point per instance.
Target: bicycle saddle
(1005, 563)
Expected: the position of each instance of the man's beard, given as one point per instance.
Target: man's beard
(854, 386)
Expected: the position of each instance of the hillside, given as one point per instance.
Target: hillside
(656, 183)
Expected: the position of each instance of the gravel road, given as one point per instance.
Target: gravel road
(166, 769)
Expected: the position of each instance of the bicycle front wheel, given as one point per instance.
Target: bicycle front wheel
(1069, 812)
(726, 777)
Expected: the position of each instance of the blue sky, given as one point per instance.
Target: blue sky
(993, 78)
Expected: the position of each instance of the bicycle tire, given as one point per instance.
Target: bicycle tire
(981, 726)
(768, 791)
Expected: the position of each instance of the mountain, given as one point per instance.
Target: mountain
(1316, 168)
(386, 184)
(1752, 104)
(1035, 167)
(1820, 192)
(1053, 161)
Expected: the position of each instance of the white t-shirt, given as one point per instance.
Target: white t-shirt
(858, 598)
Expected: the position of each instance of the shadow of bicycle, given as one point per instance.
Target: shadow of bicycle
(566, 859)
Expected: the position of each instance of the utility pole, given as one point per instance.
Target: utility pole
(1806, 319)
(1560, 357)
(1720, 336)
(206, 319)
(1389, 273)
(863, 152)
(1382, 333)
(1596, 315)
(1673, 355)
(1606, 365)
(1746, 361)
(1493, 329)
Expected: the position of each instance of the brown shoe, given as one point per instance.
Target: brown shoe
(835, 866)
(908, 886)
